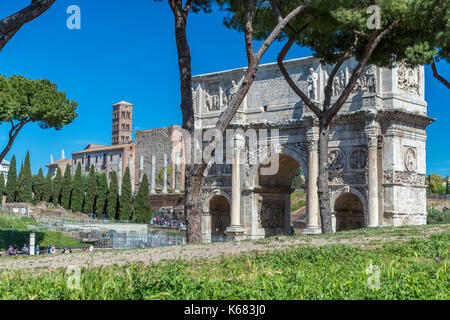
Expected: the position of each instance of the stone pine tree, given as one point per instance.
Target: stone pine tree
(25, 190)
(194, 172)
(76, 202)
(126, 198)
(2, 184)
(23, 101)
(102, 192)
(47, 189)
(66, 188)
(142, 210)
(113, 197)
(11, 183)
(57, 183)
(39, 186)
(91, 191)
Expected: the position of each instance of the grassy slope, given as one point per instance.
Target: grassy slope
(408, 270)
(21, 234)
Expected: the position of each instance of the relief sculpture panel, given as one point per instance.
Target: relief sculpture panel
(271, 213)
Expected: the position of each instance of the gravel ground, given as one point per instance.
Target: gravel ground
(205, 251)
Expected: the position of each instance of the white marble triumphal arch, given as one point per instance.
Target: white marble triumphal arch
(376, 150)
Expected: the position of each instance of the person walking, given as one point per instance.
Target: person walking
(38, 250)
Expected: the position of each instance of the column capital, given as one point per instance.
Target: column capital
(313, 144)
(372, 140)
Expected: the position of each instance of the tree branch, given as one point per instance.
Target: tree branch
(314, 108)
(370, 47)
(12, 136)
(187, 7)
(249, 32)
(34, 10)
(280, 26)
(250, 73)
(439, 77)
(335, 70)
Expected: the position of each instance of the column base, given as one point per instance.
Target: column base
(235, 233)
(312, 230)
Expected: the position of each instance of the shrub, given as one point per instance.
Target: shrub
(438, 217)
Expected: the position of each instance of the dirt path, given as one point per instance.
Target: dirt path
(216, 250)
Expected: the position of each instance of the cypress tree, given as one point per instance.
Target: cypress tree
(126, 198)
(39, 186)
(76, 203)
(57, 182)
(47, 189)
(25, 190)
(142, 210)
(11, 183)
(2, 185)
(19, 183)
(113, 197)
(66, 188)
(102, 193)
(91, 190)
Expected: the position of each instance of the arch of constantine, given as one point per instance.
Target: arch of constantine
(376, 150)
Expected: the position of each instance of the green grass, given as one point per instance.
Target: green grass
(15, 231)
(407, 271)
(297, 200)
(11, 221)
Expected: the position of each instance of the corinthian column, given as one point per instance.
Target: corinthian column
(313, 199)
(153, 177)
(165, 174)
(235, 230)
(177, 172)
(372, 132)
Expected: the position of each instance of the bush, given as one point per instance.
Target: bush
(438, 217)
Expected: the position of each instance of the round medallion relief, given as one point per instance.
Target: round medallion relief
(410, 159)
(336, 160)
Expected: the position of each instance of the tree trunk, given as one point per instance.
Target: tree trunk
(12, 136)
(193, 173)
(322, 181)
(192, 206)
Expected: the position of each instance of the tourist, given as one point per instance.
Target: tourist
(38, 250)
(91, 248)
(49, 248)
(53, 250)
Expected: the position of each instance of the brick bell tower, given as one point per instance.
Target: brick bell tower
(122, 123)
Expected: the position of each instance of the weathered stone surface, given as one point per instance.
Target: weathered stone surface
(386, 114)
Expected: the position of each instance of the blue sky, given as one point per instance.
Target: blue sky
(128, 52)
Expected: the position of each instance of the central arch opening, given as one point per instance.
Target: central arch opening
(348, 212)
(281, 197)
